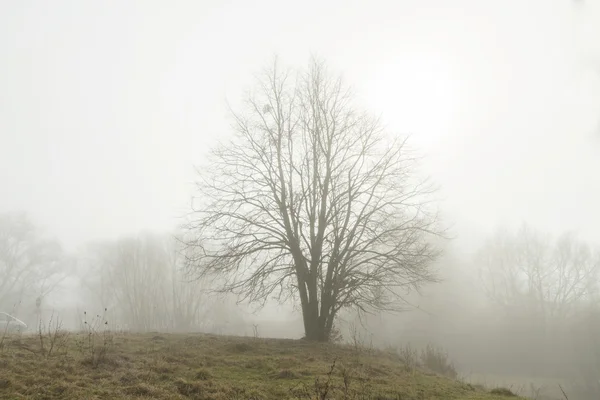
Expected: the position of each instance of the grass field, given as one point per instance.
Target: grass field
(196, 366)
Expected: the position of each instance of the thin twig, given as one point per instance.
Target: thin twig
(563, 392)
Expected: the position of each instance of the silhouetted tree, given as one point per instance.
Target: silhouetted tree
(312, 201)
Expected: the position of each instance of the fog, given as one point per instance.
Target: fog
(106, 108)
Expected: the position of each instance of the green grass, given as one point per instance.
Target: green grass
(197, 366)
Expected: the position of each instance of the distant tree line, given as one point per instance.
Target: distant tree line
(136, 283)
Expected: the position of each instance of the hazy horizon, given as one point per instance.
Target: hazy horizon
(105, 107)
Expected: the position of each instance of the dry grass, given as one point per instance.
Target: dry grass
(197, 366)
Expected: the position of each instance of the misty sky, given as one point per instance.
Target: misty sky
(105, 106)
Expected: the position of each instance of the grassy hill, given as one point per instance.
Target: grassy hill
(100, 365)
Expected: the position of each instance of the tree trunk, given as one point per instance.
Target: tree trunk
(310, 314)
(317, 327)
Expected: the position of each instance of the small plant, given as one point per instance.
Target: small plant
(5, 331)
(52, 337)
(320, 390)
(563, 392)
(327, 388)
(534, 391)
(436, 359)
(3, 336)
(409, 357)
(97, 339)
(359, 347)
(241, 347)
(356, 342)
(503, 392)
(335, 336)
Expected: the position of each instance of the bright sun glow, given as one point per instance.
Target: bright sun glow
(416, 95)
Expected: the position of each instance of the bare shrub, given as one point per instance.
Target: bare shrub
(409, 357)
(336, 335)
(436, 359)
(52, 338)
(5, 332)
(321, 389)
(3, 336)
(353, 385)
(96, 339)
(501, 391)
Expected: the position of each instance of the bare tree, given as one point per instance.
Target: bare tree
(141, 281)
(132, 272)
(532, 272)
(30, 265)
(190, 307)
(312, 201)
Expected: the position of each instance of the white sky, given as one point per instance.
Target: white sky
(105, 106)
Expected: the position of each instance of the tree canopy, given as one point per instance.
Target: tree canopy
(312, 201)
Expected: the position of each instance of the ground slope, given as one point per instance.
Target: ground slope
(167, 366)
